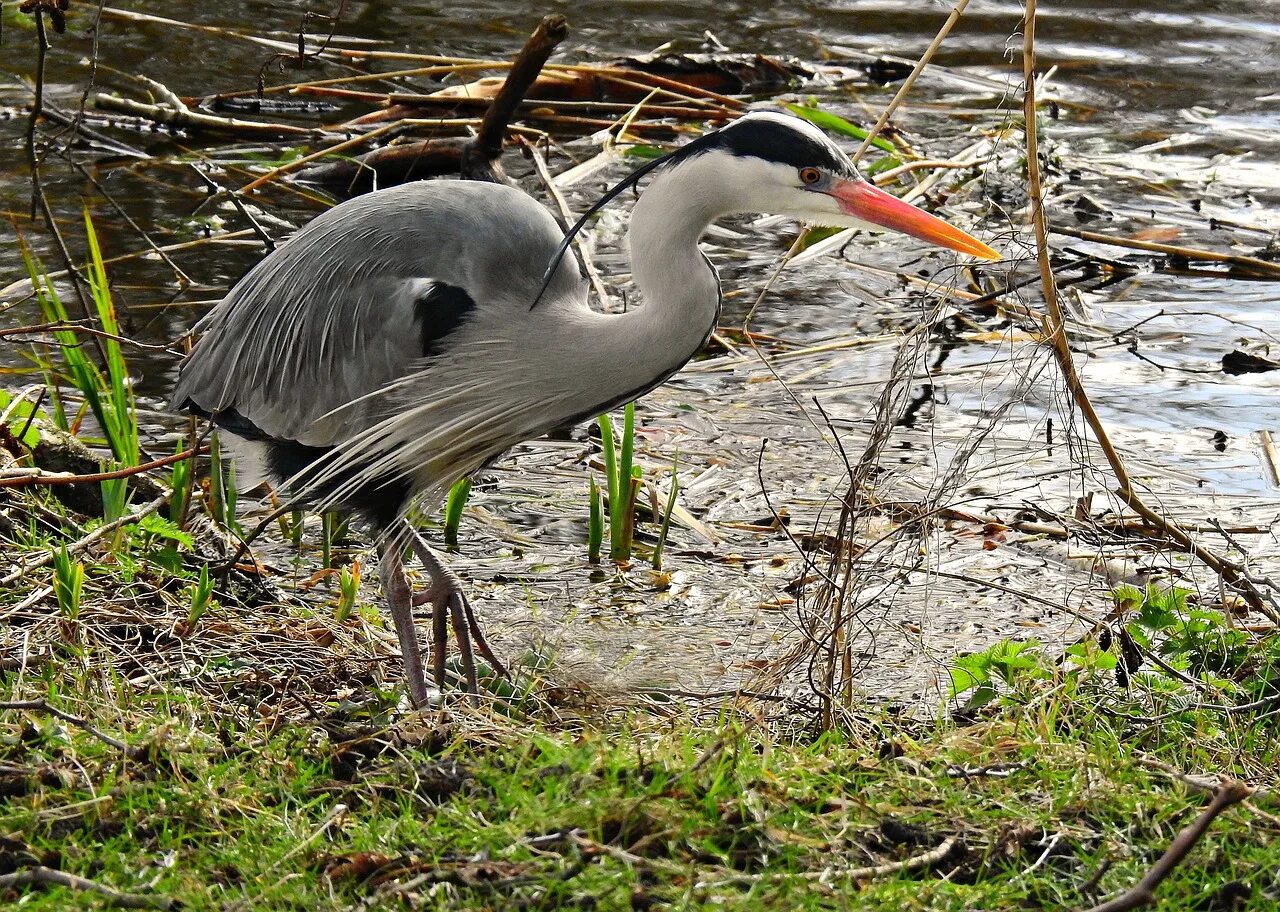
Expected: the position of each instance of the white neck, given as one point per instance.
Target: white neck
(679, 289)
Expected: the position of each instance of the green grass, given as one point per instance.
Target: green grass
(219, 807)
(228, 796)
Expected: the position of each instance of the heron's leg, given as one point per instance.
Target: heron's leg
(395, 587)
(446, 588)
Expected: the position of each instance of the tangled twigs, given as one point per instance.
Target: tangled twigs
(476, 159)
(97, 534)
(1229, 793)
(1231, 573)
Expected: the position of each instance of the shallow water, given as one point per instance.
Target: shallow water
(1157, 109)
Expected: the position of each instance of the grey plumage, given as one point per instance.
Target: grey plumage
(330, 317)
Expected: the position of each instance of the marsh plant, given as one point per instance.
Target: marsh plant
(348, 590)
(105, 392)
(622, 479)
(201, 597)
(224, 495)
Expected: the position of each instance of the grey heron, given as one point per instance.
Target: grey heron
(406, 338)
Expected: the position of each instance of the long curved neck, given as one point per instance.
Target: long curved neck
(679, 288)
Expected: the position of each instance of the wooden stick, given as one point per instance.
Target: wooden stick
(45, 876)
(486, 147)
(21, 478)
(44, 706)
(1143, 892)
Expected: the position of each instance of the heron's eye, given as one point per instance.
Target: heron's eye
(810, 175)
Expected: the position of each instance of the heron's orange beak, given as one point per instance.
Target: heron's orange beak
(865, 201)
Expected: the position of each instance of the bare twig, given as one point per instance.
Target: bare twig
(21, 478)
(479, 155)
(1250, 264)
(1055, 328)
(540, 164)
(43, 876)
(38, 198)
(43, 706)
(923, 860)
(1229, 793)
(911, 79)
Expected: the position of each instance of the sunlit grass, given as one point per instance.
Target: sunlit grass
(215, 807)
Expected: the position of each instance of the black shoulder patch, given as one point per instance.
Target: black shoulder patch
(440, 310)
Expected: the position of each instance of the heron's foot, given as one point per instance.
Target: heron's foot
(451, 607)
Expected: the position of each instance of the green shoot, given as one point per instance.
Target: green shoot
(223, 495)
(179, 486)
(666, 513)
(610, 458)
(68, 583)
(201, 597)
(348, 589)
(115, 498)
(296, 528)
(120, 419)
(458, 495)
(595, 525)
(623, 480)
(333, 528)
(109, 396)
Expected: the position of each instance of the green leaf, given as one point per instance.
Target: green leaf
(644, 151)
(982, 695)
(968, 672)
(1127, 597)
(22, 417)
(834, 123)
(158, 527)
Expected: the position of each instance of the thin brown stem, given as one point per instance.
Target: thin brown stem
(911, 79)
(60, 478)
(1230, 572)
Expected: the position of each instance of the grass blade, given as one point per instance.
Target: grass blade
(458, 495)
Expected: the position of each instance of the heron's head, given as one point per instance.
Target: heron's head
(782, 165)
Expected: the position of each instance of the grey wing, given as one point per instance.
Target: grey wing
(357, 298)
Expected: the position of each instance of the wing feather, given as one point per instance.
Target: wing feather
(302, 346)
